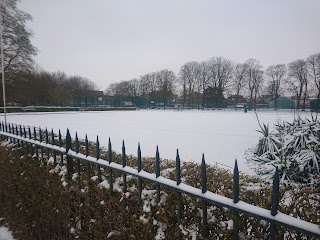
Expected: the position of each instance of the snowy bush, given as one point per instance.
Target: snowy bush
(292, 147)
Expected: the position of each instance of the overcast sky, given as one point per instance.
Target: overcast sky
(109, 41)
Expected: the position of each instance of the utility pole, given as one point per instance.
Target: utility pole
(2, 67)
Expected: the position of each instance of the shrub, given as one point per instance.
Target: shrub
(294, 148)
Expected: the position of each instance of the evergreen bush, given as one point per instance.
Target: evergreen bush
(293, 147)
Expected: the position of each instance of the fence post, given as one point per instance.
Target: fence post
(20, 130)
(4, 130)
(42, 150)
(35, 145)
(87, 154)
(235, 200)
(139, 170)
(25, 136)
(17, 133)
(275, 203)
(6, 126)
(77, 151)
(47, 141)
(98, 156)
(69, 159)
(158, 173)
(53, 151)
(205, 230)
(10, 132)
(60, 145)
(14, 140)
(124, 163)
(29, 132)
(1, 129)
(179, 194)
(110, 169)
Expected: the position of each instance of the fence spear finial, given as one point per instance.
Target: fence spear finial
(203, 175)
(235, 182)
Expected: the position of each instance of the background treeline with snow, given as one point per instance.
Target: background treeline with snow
(216, 78)
(220, 77)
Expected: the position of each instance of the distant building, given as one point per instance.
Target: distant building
(236, 101)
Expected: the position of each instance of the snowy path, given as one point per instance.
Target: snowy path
(222, 136)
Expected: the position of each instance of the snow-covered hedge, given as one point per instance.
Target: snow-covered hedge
(292, 147)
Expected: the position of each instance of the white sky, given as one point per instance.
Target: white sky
(109, 41)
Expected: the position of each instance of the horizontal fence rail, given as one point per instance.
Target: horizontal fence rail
(20, 135)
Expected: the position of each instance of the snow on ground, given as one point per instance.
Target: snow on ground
(5, 234)
(222, 136)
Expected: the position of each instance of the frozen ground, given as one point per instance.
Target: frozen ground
(222, 136)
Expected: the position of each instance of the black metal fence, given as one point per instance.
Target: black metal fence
(33, 141)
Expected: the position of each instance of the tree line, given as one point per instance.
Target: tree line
(196, 83)
(220, 77)
(25, 83)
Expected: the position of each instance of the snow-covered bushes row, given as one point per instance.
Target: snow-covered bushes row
(292, 147)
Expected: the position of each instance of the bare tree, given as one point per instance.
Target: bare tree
(145, 85)
(258, 78)
(276, 75)
(221, 71)
(111, 89)
(165, 85)
(203, 79)
(298, 80)
(254, 80)
(239, 77)
(189, 73)
(18, 50)
(313, 63)
(134, 90)
(123, 89)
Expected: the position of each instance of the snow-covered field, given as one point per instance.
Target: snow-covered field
(222, 136)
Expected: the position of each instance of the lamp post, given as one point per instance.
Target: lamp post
(2, 68)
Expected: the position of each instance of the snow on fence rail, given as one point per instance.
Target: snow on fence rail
(21, 135)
